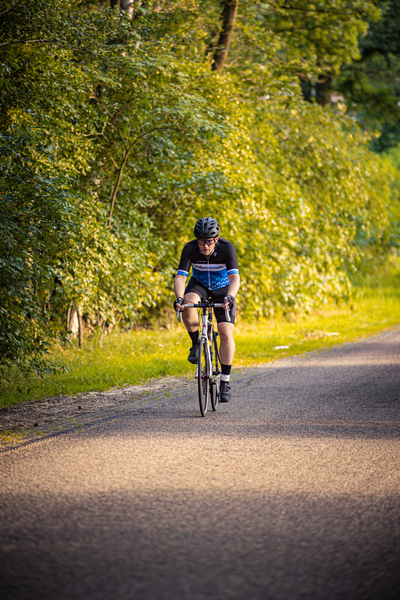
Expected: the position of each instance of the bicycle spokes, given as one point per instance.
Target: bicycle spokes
(203, 376)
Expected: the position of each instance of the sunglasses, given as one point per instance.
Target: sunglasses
(206, 242)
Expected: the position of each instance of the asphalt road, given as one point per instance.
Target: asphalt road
(290, 491)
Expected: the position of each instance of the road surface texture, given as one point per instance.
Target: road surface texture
(290, 491)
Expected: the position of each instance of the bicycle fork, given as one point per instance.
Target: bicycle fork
(208, 365)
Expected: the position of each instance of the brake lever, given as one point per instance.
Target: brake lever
(228, 316)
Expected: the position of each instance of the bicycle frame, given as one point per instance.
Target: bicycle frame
(207, 370)
(206, 329)
(206, 320)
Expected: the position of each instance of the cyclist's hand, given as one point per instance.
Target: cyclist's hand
(178, 303)
(229, 301)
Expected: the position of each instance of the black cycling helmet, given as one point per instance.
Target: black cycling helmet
(206, 228)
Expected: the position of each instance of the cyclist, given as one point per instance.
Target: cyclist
(215, 275)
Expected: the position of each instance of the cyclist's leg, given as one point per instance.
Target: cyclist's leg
(193, 293)
(227, 344)
(218, 296)
(227, 352)
(216, 369)
(190, 315)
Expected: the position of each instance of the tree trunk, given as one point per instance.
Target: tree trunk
(320, 92)
(128, 5)
(229, 12)
(323, 90)
(72, 322)
(80, 325)
(68, 316)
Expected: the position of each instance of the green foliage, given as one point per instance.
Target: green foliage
(314, 38)
(311, 206)
(36, 220)
(118, 137)
(136, 356)
(371, 84)
(392, 157)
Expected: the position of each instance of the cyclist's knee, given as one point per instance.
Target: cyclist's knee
(192, 297)
(225, 331)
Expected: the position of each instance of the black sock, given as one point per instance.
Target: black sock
(226, 369)
(194, 336)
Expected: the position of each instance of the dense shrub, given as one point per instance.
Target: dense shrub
(117, 137)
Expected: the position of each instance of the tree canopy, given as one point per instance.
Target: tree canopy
(123, 124)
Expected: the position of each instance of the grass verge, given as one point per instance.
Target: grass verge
(136, 356)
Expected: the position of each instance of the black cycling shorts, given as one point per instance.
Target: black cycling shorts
(215, 295)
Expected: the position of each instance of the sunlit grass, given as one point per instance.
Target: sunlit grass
(136, 356)
(376, 308)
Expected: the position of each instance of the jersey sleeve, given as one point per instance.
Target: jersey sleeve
(232, 265)
(185, 262)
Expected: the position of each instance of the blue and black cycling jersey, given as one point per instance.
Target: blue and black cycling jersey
(212, 271)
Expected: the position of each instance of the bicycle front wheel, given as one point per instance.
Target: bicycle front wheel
(202, 377)
(216, 367)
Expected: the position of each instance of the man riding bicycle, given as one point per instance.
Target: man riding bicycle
(215, 275)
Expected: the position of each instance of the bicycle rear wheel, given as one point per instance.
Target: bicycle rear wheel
(216, 368)
(202, 377)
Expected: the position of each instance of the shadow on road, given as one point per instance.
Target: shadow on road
(185, 545)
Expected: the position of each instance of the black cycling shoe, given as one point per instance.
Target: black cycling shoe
(193, 354)
(225, 391)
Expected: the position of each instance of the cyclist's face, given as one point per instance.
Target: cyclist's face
(206, 247)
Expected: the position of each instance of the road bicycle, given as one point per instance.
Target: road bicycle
(208, 372)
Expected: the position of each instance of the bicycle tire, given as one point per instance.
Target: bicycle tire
(216, 367)
(202, 378)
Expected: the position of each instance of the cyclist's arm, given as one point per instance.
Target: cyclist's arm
(183, 272)
(234, 284)
(179, 285)
(232, 267)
